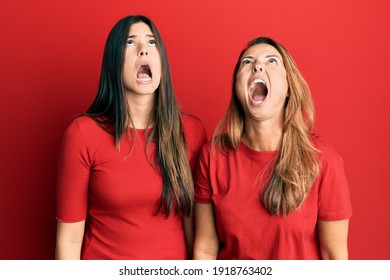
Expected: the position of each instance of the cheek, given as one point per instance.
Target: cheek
(128, 67)
(282, 84)
(241, 87)
(130, 56)
(158, 67)
(240, 93)
(126, 74)
(157, 75)
(240, 82)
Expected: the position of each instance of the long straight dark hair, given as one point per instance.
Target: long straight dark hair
(111, 111)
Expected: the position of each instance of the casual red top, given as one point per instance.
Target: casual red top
(234, 184)
(117, 193)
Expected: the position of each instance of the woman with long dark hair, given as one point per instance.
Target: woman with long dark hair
(125, 188)
(266, 187)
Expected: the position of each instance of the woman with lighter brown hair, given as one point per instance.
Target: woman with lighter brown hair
(266, 187)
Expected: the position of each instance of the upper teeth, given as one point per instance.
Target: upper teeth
(257, 81)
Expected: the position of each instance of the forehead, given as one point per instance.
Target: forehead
(260, 50)
(140, 28)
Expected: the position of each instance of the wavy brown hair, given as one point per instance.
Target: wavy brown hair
(296, 166)
(111, 111)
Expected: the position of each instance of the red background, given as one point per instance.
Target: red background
(50, 62)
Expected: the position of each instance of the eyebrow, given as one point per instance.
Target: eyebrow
(267, 56)
(272, 55)
(246, 57)
(147, 35)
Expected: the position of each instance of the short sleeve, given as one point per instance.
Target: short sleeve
(203, 190)
(334, 196)
(73, 176)
(196, 136)
(200, 135)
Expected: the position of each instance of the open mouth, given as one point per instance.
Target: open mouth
(258, 91)
(144, 74)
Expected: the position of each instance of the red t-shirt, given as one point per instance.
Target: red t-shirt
(117, 193)
(234, 184)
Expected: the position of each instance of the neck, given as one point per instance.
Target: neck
(141, 109)
(263, 136)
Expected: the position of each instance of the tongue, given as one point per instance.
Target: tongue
(144, 72)
(259, 97)
(259, 92)
(143, 75)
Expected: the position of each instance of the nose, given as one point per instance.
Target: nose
(258, 68)
(142, 51)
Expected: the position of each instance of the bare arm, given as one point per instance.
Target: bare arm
(189, 234)
(333, 236)
(206, 244)
(69, 240)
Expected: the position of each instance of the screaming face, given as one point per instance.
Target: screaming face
(261, 83)
(142, 64)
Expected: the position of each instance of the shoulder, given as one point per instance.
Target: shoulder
(194, 130)
(84, 127)
(210, 152)
(83, 122)
(191, 121)
(205, 151)
(327, 154)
